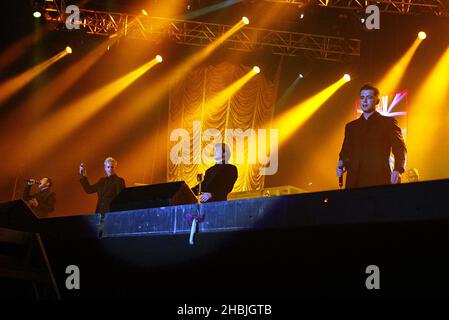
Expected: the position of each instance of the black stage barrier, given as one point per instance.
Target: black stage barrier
(315, 245)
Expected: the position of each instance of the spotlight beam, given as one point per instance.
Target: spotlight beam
(18, 49)
(428, 115)
(291, 120)
(288, 92)
(393, 78)
(203, 54)
(228, 92)
(11, 86)
(66, 79)
(57, 87)
(140, 103)
(64, 122)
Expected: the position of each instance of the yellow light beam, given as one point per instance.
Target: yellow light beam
(11, 86)
(43, 98)
(140, 103)
(197, 58)
(220, 98)
(393, 78)
(15, 51)
(291, 120)
(61, 124)
(428, 113)
(99, 141)
(288, 92)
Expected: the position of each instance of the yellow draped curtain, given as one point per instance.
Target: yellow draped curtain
(195, 99)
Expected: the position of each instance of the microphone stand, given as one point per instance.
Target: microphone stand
(16, 182)
(197, 217)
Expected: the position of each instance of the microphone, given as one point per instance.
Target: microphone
(199, 179)
(32, 181)
(340, 178)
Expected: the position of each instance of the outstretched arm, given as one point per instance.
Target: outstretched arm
(88, 188)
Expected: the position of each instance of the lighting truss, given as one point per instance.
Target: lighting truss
(202, 33)
(418, 7)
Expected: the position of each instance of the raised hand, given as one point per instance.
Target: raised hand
(83, 170)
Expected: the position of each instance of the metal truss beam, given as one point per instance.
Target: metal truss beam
(52, 10)
(418, 7)
(201, 34)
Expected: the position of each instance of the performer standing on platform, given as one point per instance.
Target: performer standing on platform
(107, 187)
(42, 202)
(368, 143)
(220, 178)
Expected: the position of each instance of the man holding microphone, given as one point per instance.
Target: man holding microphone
(368, 143)
(42, 202)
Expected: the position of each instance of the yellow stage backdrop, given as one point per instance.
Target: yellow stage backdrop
(208, 97)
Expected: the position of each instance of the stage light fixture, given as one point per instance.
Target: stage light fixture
(422, 35)
(159, 58)
(300, 76)
(301, 16)
(256, 69)
(68, 50)
(347, 77)
(362, 20)
(245, 20)
(144, 12)
(37, 8)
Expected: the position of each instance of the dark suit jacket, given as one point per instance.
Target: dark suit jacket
(45, 198)
(107, 189)
(219, 181)
(366, 150)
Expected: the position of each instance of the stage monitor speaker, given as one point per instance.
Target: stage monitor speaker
(153, 196)
(17, 215)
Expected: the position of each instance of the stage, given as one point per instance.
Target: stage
(323, 124)
(311, 245)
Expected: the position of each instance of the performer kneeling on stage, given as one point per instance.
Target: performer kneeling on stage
(106, 188)
(220, 178)
(367, 145)
(42, 202)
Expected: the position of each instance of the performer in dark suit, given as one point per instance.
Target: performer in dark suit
(106, 188)
(42, 202)
(368, 143)
(220, 178)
